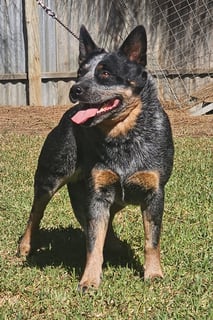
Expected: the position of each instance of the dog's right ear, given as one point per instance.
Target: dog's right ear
(86, 45)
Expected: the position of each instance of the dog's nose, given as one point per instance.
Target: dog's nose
(77, 90)
(75, 93)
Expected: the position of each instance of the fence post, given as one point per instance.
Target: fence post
(33, 53)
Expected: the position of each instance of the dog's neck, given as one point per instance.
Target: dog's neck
(124, 122)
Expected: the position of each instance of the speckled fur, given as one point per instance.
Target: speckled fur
(120, 157)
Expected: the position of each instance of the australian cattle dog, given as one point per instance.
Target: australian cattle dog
(113, 148)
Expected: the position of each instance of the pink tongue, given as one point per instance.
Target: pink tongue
(83, 115)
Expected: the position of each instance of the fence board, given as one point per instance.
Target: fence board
(33, 53)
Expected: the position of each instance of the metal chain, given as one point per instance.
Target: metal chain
(53, 15)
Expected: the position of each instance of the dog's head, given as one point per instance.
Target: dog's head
(109, 83)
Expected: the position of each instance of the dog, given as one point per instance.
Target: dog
(112, 149)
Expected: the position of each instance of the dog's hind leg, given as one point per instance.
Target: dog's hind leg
(36, 214)
(42, 196)
(56, 165)
(152, 220)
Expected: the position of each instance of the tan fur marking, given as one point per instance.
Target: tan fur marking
(152, 265)
(25, 244)
(100, 66)
(93, 270)
(103, 178)
(125, 121)
(146, 179)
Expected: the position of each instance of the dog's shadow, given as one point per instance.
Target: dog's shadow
(66, 247)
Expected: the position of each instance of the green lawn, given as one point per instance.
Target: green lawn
(44, 286)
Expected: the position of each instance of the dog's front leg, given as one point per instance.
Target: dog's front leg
(152, 220)
(102, 189)
(95, 238)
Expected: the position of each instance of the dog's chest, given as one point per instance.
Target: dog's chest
(130, 188)
(124, 165)
(123, 156)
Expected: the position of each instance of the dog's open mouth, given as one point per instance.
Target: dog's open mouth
(95, 110)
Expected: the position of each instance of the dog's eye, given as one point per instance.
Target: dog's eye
(105, 74)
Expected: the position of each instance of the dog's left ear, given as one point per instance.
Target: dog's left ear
(135, 46)
(86, 45)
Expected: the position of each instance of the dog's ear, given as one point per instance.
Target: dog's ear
(135, 46)
(86, 44)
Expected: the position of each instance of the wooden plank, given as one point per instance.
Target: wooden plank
(13, 76)
(59, 75)
(199, 109)
(33, 53)
(44, 76)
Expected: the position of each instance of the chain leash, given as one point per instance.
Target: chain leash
(53, 15)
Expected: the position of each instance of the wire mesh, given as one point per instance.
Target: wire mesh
(181, 56)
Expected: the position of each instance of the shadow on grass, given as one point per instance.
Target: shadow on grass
(66, 247)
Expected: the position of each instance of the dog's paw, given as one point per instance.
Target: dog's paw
(23, 249)
(86, 286)
(89, 283)
(152, 273)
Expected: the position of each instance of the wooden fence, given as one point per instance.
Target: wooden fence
(38, 58)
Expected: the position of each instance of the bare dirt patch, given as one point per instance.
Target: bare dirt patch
(40, 120)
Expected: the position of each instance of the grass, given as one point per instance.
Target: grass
(44, 286)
